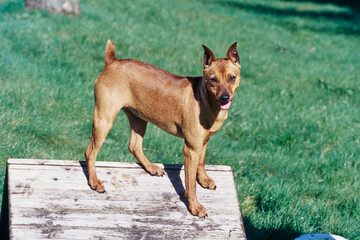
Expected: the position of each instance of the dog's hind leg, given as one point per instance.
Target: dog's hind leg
(138, 128)
(104, 115)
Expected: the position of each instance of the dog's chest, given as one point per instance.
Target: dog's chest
(219, 121)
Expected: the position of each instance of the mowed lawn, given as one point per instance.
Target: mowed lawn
(293, 132)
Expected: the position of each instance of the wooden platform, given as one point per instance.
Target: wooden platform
(50, 199)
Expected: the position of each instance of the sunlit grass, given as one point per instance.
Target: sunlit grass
(292, 137)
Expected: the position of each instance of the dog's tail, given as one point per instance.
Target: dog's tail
(110, 53)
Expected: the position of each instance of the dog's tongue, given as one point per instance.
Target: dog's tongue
(226, 106)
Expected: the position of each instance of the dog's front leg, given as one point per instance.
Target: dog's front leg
(204, 180)
(191, 161)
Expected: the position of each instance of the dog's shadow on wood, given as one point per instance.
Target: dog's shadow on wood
(173, 173)
(83, 166)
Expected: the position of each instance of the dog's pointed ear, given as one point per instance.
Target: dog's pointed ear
(208, 57)
(232, 54)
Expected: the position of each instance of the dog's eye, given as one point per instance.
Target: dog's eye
(232, 78)
(214, 80)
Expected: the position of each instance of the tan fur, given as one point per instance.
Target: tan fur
(186, 107)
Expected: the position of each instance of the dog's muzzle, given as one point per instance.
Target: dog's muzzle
(224, 101)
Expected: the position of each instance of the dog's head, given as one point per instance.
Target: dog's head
(222, 76)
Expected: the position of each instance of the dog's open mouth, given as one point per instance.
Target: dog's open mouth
(225, 106)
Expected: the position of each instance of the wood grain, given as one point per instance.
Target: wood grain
(50, 199)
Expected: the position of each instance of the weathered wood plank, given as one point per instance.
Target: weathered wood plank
(113, 180)
(51, 199)
(174, 221)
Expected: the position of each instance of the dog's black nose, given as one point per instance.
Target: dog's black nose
(224, 98)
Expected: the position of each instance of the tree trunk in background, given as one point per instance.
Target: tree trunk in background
(70, 7)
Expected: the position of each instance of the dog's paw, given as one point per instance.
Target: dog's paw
(207, 182)
(97, 185)
(155, 170)
(197, 209)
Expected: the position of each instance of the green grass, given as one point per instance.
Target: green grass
(293, 133)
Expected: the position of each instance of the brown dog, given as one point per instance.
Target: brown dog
(192, 108)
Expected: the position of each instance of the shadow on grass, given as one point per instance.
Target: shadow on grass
(4, 223)
(283, 233)
(343, 22)
(12, 7)
(353, 4)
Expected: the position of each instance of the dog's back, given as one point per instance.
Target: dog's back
(149, 92)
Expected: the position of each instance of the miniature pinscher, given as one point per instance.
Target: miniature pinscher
(192, 108)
